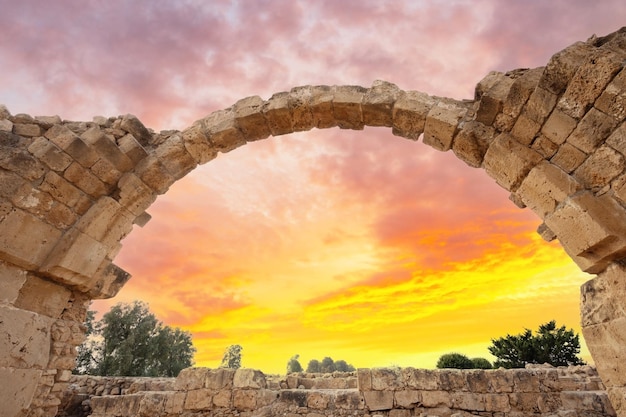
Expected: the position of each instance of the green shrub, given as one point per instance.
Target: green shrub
(481, 363)
(455, 360)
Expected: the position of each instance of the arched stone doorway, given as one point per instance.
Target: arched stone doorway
(553, 136)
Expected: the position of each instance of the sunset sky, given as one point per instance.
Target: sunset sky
(352, 244)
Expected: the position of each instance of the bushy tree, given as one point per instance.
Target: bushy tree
(455, 361)
(314, 366)
(481, 363)
(130, 341)
(232, 357)
(328, 365)
(552, 345)
(343, 366)
(294, 365)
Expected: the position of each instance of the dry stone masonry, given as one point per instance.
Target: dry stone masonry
(408, 392)
(553, 136)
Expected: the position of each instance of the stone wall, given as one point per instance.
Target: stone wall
(554, 137)
(408, 392)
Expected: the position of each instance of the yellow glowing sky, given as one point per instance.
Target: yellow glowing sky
(356, 245)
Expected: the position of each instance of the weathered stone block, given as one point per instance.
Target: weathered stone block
(106, 148)
(385, 379)
(606, 340)
(347, 106)
(420, 379)
(562, 67)
(540, 105)
(249, 378)
(617, 397)
(244, 400)
(152, 172)
(603, 298)
(21, 162)
(471, 143)
(25, 341)
(520, 91)
(498, 403)
(592, 130)
(69, 142)
(106, 172)
(600, 168)
(508, 162)
(48, 153)
(378, 400)
(558, 126)
(18, 389)
(11, 281)
(131, 148)
(409, 114)
(191, 379)
(107, 281)
(318, 400)
(407, 398)
(61, 190)
(278, 114)
(321, 105)
(25, 240)
(28, 130)
(492, 100)
(568, 157)
(545, 187)
(6, 125)
(153, 403)
(442, 124)
(133, 125)
(364, 379)
(250, 119)
(298, 102)
(43, 297)
(525, 129)
(85, 180)
(174, 156)
(596, 71)
(613, 100)
(469, 401)
(220, 378)
(436, 399)
(199, 399)
(617, 139)
(544, 146)
(221, 127)
(223, 399)
(198, 145)
(378, 103)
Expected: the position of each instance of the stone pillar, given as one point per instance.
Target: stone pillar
(603, 313)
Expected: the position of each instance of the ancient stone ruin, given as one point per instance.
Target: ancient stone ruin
(553, 136)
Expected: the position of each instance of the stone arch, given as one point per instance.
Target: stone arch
(553, 136)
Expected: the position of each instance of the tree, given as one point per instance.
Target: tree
(552, 345)
(328, 365)
(343, 366)
(455, 361)
(294, 365)
(314, 366)
(130, 341)
(481, 363)
(232, 357)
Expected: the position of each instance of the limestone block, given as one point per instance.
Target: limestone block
(617, 139)
(153, 403)
(298, 102)
(613, 100)
(24, 338)
(48, 153)
(61, 190)
(75, 259)
(321, 105)
(245, 400)
(220, 378)
(106, 172)
(13, 187)
(21, 162)
(452, 380)
(60, 216)
(175, 403)
(221, 127)
(277, 114)
(43, 297)
(28, 130)
(592, 228)
(71, 144)
(562, 67)
(477, 381)
(47, 122)
(492, 100)
(568, 157)
(199, 399)
(558, 126)
(6, 125)
(606, 343)
(378, 400)
(347, 106)
(617, 397)
(132, 125)
(223, 399)
(508, 162)
(364, 379)
(520, 91)
(436, 399)
(592, 130)
(4, 112)
(596, 71)
(85, 180)
(11, 281)
(420, 379)
(497, 403)
(600, 168)
(107, 148)
(471, 143)
(544, 146)
(154, 174)
(525, 129)
(34, 201)
(102, 217)
(249, 378)
(587, 402)
(349, 399)
(107, 281)
(470, 401)
(409, 114)
(442, 123)
(545, 187)
(134, 194)
(540, 105)
(318, 400)
(131, 148)
(250, 119)
(197, 144)
(407, 398)
(191, 379)
(378, 103)
(293, 397)
(603, 298)
(174, 156)
(18, 389)
(25, 240)
(385, 379)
